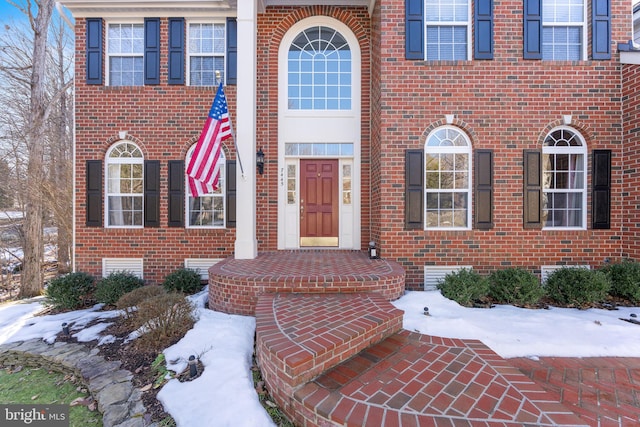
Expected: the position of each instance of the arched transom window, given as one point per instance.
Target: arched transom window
(319, 71)
(448, 179)
(564, 182)
(125, 189)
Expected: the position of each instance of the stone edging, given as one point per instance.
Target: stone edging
(118, 400)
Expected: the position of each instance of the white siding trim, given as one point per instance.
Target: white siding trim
(546, 270)
(434, 274)
(201, 265)
(132, 265)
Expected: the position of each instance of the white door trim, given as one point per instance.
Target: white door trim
(327, 126)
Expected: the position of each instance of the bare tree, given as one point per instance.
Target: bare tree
(25, 62)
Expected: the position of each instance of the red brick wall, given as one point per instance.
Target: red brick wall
(164, 120)
(506, 104)
(631, 154)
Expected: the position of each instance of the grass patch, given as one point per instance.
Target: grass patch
(39, 386)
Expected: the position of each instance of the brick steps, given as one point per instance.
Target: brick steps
(342, 359)
(300, 336)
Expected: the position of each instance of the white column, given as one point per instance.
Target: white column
(246, 246)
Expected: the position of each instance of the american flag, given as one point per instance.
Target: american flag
(204, 167)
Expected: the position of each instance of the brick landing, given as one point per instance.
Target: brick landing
(406, 379)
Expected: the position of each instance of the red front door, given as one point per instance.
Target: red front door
(319, 202)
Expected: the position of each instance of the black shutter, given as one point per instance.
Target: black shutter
(532, 209)
(176, 51)
(151, 51)
(532, 29)
(414, 189)
(232, 51)
(601, 24)
(601, 192)
(152, 193)
(483, 184)
(231, 193)
(176, 193)
(94, 51)
(414, 29)
(94, 193)
(483, 34)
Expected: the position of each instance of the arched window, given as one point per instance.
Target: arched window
(319, 71)
(564, 160)
(124, 178)
(448, 179)
(207, 211)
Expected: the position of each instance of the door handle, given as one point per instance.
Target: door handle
(301, 208)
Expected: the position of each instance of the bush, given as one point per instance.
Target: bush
(116, 284)
(129, 302)
(183, 280)
(164, 319)
(625, 280)
(577, 287)
(464, 286)
(70, 292)
(515, 286)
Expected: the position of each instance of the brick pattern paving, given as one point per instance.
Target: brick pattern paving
(234, 284)
(326, 362)
(603, 391)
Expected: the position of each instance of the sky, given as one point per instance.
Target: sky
(224, 344)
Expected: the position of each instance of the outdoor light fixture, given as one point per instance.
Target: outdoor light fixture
(193, 369)
(260, 161)
(373, 250)
(65, 328)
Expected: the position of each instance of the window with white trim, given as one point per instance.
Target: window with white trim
(564, 183)
(207, 49)
(207, 211)
(319, 70)
(448, 179)
(448, 29)
(125, 53)
(124, 189)
(564, 27)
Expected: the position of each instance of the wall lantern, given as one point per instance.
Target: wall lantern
(373, 251)
(260, 161)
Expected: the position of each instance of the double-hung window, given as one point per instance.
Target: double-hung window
(564, 27)
(206, 47)
(564, 195)
(125, 51)
(448, 179)
(448, 29)
(125, 190)
(207, 211)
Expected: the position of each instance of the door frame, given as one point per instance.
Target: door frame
(345, 129)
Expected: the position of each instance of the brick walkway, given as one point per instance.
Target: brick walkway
(603, 391)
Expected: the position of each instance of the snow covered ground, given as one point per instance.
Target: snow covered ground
(224, 344)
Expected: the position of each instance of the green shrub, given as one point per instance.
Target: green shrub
(116, 284)
(515, 286)
(464, 286)
(183, 280)
(625, 280)
(577, 287)
(163, 319)
(129, 302)
(70, 292)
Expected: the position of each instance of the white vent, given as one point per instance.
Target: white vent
(132, 265)
(201, 265)
(546, 270)
(434, 274)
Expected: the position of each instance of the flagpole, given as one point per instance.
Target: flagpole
(233, 134)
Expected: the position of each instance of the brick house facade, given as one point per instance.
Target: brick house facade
(495, 134)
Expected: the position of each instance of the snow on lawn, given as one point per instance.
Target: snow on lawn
(11, 215)
(224, 344)
(518, 332)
